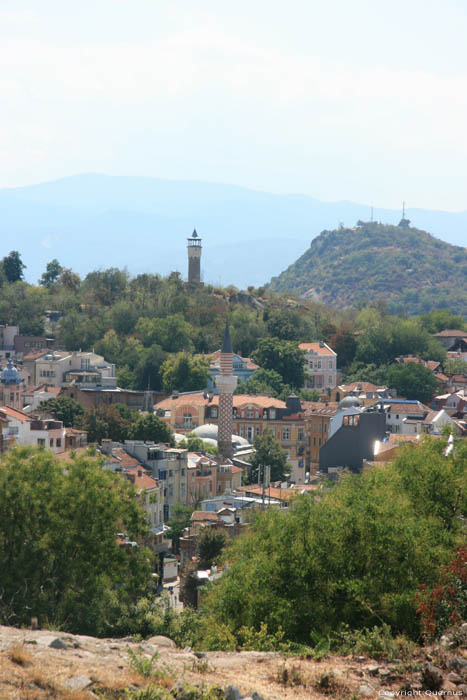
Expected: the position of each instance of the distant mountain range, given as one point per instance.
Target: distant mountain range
(95, 221)
(410, 270)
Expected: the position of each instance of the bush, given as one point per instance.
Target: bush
(445, 605)
(376, 643)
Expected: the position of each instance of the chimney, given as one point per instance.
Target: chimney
(131, 477)
(106, 446)
(140, 473)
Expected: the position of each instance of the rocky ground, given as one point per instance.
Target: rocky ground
(41, 665)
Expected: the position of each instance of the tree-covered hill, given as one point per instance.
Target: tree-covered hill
(411, 270)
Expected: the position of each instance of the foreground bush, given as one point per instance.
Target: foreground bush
(59, 556)
(355, 557)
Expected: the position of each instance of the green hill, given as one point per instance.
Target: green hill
(411, 270)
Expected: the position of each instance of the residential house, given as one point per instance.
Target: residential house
(318, 417)
(320, 366)
(209, 476)
(453, 340)
(99, 396)
(455, 403)
(12, 344)
(243, 368)
(403, 415)
(435, 421)
(21, 429)
(168, 465)
(150, 490)
(83, 369)
(366, 392)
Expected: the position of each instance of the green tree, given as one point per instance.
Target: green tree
(13, 266)
(412, 381)
(150, 427)
(63, 408)
(246, 328)
(105, 422)
(52, 272)
(211, 543)
(268, 453)
(184, 373)
(440, 319)
(282, 356)
(178, 522)
(264, 381)
(193, 443)
(58, 544)
(356, 556)
(455, 367)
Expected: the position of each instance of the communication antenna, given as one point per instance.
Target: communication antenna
(403, 210)
(371, 219)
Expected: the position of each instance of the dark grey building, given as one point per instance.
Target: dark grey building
(354, 441)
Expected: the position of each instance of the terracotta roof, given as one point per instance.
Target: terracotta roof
(401, 406)
(363, 387)
(75, 431)
(199, 399)
(199, 516)
(35, 355)
(74, 452)
(142, 478)
(123, 458)
(313, 408)
(271, 492)
(15, 413)
(317, 348)
(394, 440)
(450, 333)
(441, 377)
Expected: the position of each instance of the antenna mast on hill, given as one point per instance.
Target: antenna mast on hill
(371, 219)
(403, 210)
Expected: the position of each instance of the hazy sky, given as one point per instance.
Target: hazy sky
(339, 99)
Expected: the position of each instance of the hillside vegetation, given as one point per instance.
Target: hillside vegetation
(411, 270)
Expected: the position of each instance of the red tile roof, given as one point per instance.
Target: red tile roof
(199, 516)
(450, 333)
(15, 413)
(363, 387)
(317, 348)
(142, 479)
(199, 399)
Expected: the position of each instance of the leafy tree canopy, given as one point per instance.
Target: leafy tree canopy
(268, 453)
(282, 356)
(412, 381)
(63, 408)
(150, 427)
(184, 372)
(52, 273)
(64, 564)
(13, 267)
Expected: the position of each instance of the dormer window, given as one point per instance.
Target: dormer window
(272, 413)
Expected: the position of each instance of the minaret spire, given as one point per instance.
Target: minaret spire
(226, 383)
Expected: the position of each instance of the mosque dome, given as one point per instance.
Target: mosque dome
(350, 402)
(206, 431)
(10, 375)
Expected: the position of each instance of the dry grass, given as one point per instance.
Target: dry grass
(18, 655)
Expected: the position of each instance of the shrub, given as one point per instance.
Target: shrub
(446, 605)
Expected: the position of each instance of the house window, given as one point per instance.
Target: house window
(183, 472)
(250, 413)
(257, 430)
(41, 442)
(51, 442)
(249, 432)
(272, 413)
(214, 412)
(187, 420)
(330, 381)
(300, 433)
(325, 427)
(314, 442)
(171, 472)
(286, 433)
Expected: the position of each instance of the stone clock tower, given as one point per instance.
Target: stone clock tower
(194, 258)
